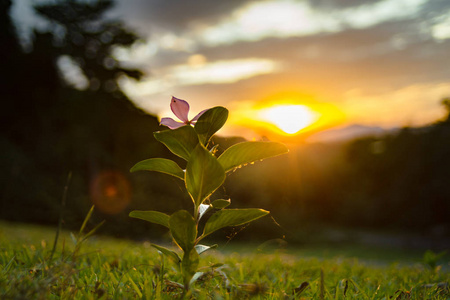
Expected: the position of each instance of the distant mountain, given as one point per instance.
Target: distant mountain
(349, 132)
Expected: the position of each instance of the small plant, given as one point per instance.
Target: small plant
(79, 239)
(204, 174)
(431, 259)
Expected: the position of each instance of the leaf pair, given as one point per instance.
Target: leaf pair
(184, 228)
(175, 258)
(204, 172)
(182, 141)
(181, 224)
(235, 156)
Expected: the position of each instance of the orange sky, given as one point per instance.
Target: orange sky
(374, 63)
(377, 64)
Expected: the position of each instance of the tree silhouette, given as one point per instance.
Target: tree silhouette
(51, 128)
(84, 34)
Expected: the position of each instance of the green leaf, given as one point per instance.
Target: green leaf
(220, 203)
(151, 216)
(184, 229)
(204, 174)
(210, 122)
(202, 248)
(232, 217)
(248, 152)
(171, 255)
(180, 141)
(159, 165)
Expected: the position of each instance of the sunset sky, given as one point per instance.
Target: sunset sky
(376, 63)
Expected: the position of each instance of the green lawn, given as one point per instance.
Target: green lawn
(106, 268)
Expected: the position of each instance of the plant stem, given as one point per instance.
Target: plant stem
(196, 214)
(63, 204)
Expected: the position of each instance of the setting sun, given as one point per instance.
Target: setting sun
(283, 117)
(289, 118)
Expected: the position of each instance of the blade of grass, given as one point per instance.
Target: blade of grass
(90, 233)
(63, 205)
(135, 287)
(322, 286)
(6, 268)
(88, 216)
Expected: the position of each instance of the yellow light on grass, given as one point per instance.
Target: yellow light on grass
(289, 118)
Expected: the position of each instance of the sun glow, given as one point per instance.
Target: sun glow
(289, 118)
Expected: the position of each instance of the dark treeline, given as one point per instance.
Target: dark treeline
(399, 181)
(50, 129)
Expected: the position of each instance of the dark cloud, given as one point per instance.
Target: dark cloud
(435, 7)
(174, 16)
(339, 4)
(322, 46)
(168, 58)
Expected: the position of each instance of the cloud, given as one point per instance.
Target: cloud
(175, 16)
(288, 18)
(441, 30)
(371, 30)
(196, 72)
(223, 71)
(413, 105)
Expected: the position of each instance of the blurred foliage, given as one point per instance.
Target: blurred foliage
(49, 128)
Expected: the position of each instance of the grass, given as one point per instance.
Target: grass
(106, 268)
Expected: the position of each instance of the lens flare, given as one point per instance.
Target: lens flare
(110, 192)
